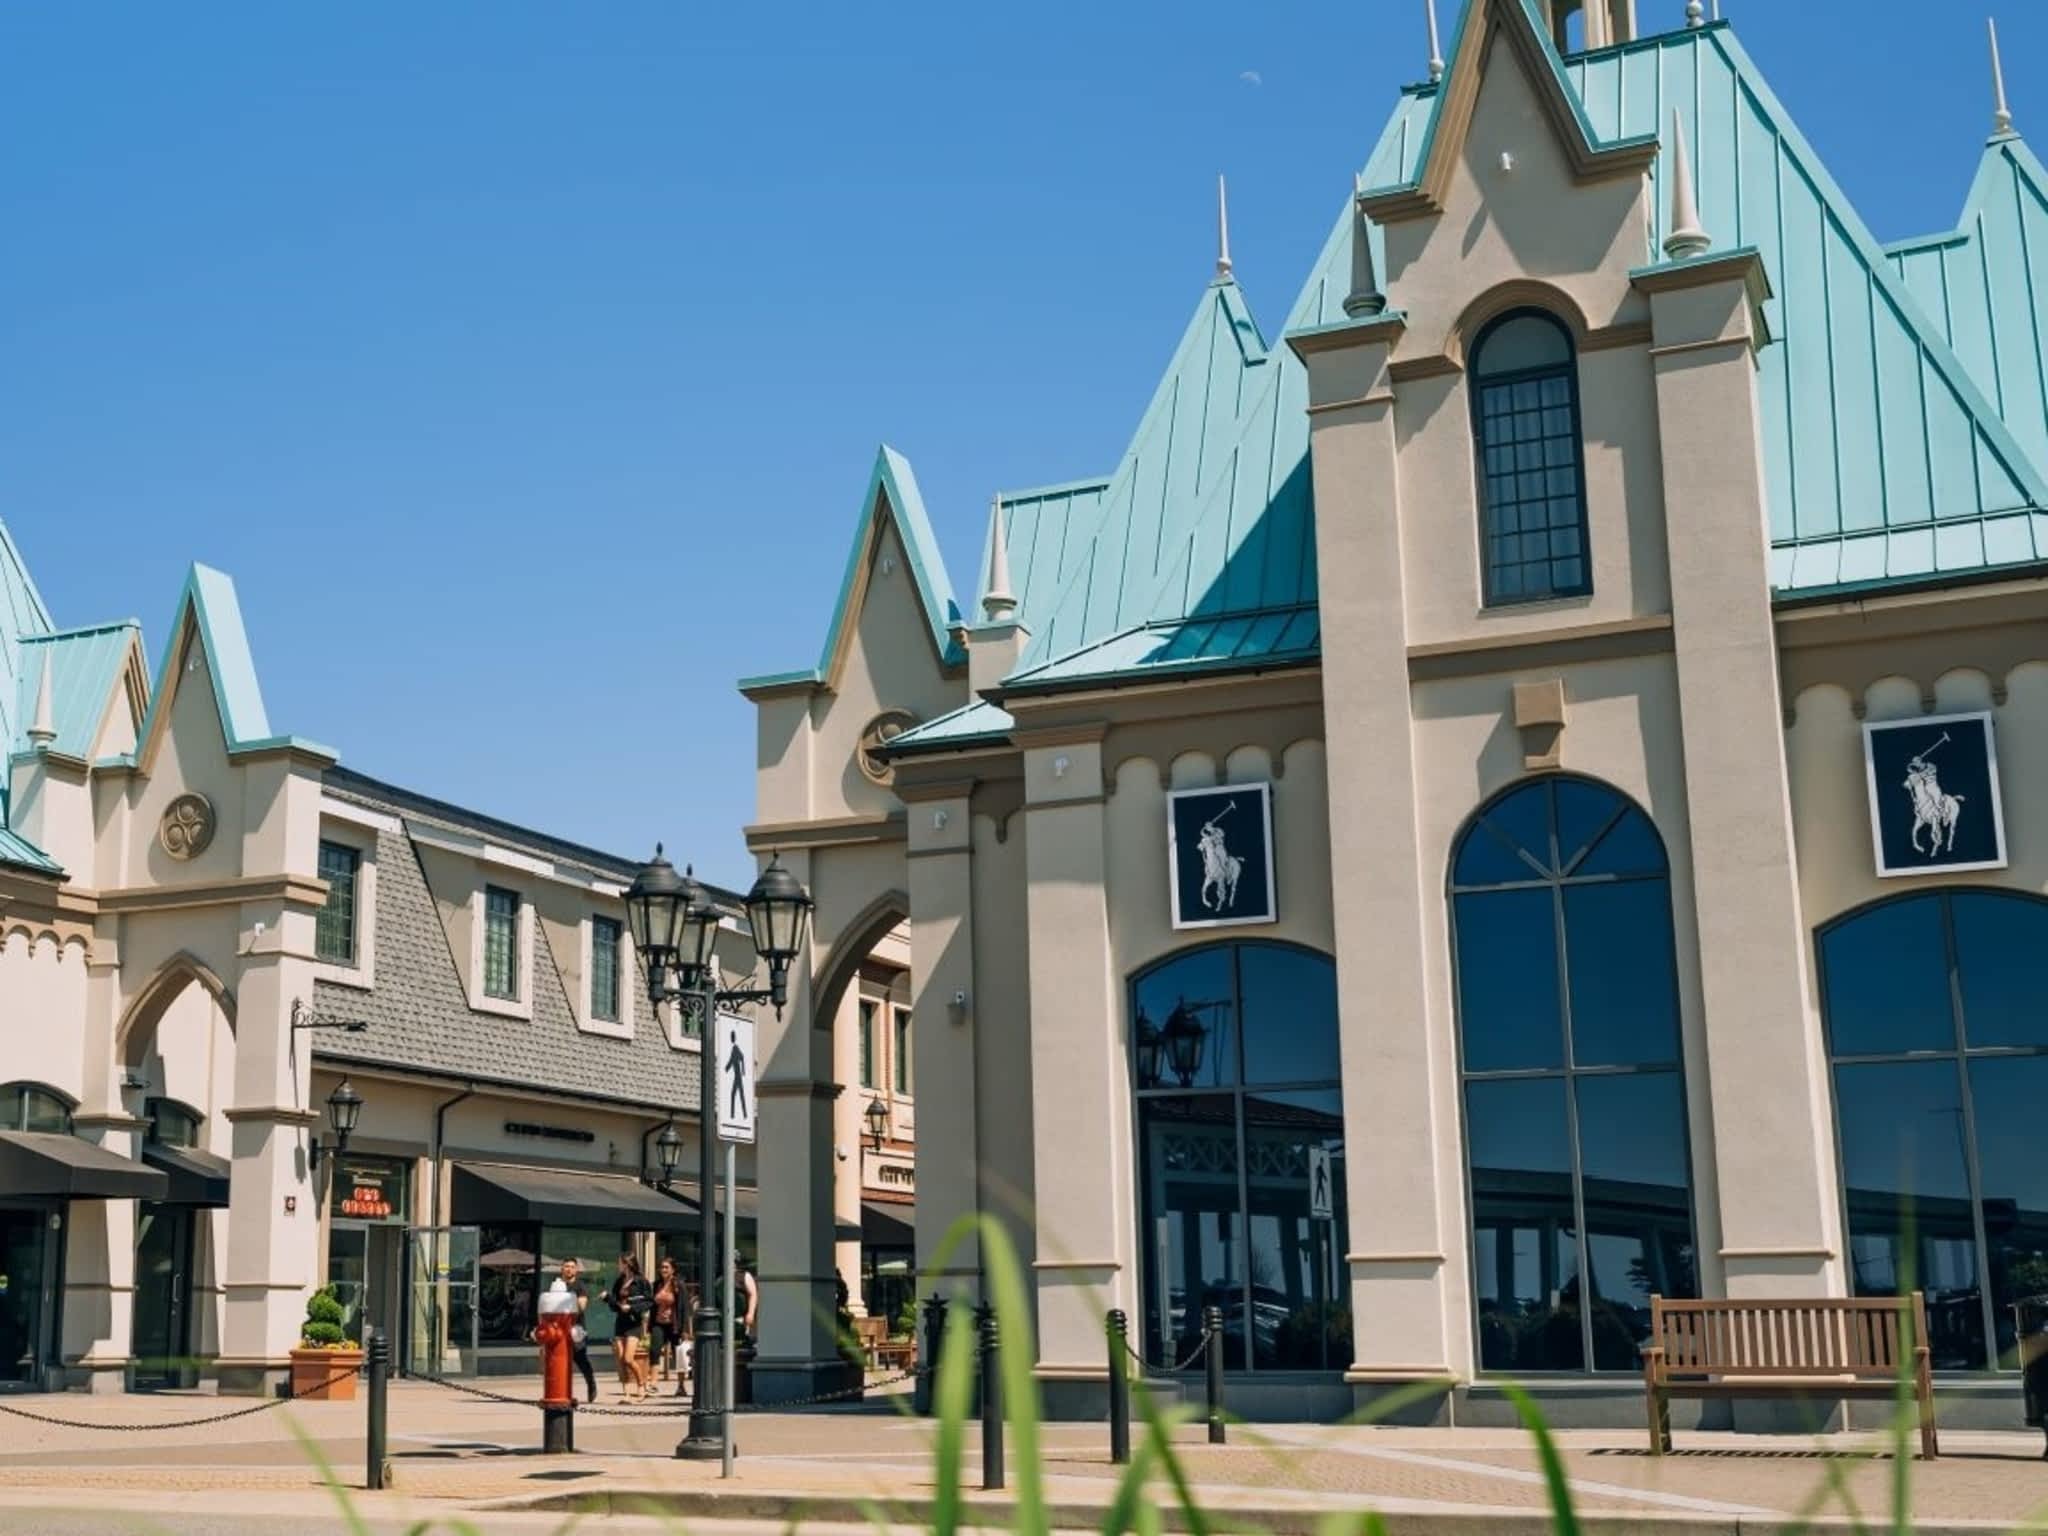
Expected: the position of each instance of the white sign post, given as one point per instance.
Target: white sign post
(732, 1057)
(1321, 1207)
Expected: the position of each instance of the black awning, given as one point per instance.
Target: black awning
(749, 1198)
(883, 1225)
(197, 1178)
(63, 1167)
(499, 1195)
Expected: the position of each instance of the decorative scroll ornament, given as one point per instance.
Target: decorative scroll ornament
(187, 826)
(880, 731)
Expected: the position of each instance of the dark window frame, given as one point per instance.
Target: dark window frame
(607, 1007)
(491, 918)
(901, 1083)
(1238, 1090)
(1960, 1055)
(1567, 1071)
(866, 1011)
(1478, 381)
(153, 1110)
(342, 909)
(14, 1098)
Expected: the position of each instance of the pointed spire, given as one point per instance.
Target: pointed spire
(2001, 114)
(1223, 273)
(998, 602)
(1436, 52)
(1365, 297)
(1686, 237)
(42, 731)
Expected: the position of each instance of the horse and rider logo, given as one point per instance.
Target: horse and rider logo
(1221, 843)
(1934, 794)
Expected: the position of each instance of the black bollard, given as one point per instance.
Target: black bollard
(991, 1401)
(1212, 1346)
(377, 1345)
(921, 1392)
(1118, 1328)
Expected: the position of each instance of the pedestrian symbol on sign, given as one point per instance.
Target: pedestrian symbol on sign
(1320, 1205)
(735, 1064)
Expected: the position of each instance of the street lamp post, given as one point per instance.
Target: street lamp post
(675, 928)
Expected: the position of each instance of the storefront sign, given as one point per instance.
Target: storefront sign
(1220, 855)
(1934, 803)
(548, 1132)
(370, 1188)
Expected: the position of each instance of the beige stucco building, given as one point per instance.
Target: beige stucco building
(1607, 636)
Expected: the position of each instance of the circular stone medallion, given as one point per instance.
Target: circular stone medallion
(880, 731)
(187, 826)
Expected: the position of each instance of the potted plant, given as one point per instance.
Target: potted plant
(325, 1363)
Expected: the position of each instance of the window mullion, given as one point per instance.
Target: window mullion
(1971, 1170)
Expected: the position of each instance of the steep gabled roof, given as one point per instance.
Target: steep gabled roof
(892, 497)
(22, 614)
(86, 675)
(1047, 530)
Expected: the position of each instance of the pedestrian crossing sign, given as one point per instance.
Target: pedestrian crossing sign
(731, 1057)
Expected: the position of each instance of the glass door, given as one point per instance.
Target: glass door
(443, 1311)
(163, 1305)
(29, 1243)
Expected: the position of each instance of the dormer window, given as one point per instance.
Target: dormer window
(1532, 472)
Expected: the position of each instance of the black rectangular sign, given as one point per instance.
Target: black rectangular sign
(1934, 806)
(1220, 855)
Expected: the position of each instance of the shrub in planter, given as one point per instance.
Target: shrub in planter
(325, 1363)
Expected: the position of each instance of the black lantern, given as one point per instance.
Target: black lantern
(877, 1115)
(699, 936)
(778, 908)
(1148, 1051)
(1182, 1040)
(657, 903)
(668, 1151)
(344, 1112)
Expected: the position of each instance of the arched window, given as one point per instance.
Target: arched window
(172, 1124)
(1575, 1128)
(1937, 1018)
(34, 1107)
(1532, 472)
(1241, 1136)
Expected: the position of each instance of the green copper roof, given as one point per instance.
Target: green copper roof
(1273, 637)
(1048, 531)
(23, 854)
(969, 725)
(22, 614)
(85, 669)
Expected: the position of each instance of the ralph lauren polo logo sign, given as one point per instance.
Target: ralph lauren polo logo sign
(1934, 805)
(1220, 845)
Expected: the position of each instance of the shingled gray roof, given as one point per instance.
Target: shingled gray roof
(419, 1014)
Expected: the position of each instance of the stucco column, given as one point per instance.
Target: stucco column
(273, 1227)
(942, 955)
(1081, 1166)
(1397, 1254)
(99, 1267)
(847, 1140)
(1767, 1088)
(795, 1175)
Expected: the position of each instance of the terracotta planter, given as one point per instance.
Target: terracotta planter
(325, 1375)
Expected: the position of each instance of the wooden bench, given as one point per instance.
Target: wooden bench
(1831, 1348)
(883, 1353)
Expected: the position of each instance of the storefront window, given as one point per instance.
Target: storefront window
(596, 1251)
(1242, 1157)
(1939, 1038)
(33, 1107)
(1575, 1123)
(508, 1276)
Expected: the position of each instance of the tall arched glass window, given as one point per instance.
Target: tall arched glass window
(1532, 473)
(34, 1107)
(1241, 1154)
(1937, 1018)
(1575, 1129)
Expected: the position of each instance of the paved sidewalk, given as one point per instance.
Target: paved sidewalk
(454, 1454)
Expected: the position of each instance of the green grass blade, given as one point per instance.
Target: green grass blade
(1130, 1489)
(949, 1402)
(1564, 1519)
(1017, 1358)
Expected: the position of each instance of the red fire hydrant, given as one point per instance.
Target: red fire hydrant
(557, 1398)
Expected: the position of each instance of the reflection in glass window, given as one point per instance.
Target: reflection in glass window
(32, 1107)
(1937, 1017)
(1568, 1024)
(1532, 484)
(1243, 1200)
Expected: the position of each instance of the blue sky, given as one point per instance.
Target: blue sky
(482, 342)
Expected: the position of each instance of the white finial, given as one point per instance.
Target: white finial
(1695, 14)
(1365, 297)
(2001, 114)
(42, 731)
(1436, 52)
(1686, 237)
(998, 602)
(1222, 231)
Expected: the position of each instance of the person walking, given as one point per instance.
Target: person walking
(746, 1300)
(665, 1327)
(579, 1336)
(631, 1302)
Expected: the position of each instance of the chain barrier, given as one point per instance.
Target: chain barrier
(1201, 1348)
(684, 1406)
(264, 1405)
